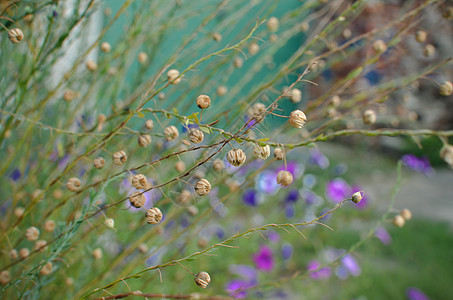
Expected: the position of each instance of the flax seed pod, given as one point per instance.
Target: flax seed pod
(406, 214)
(216, 36)
(19, 212)
(40, 245)
(119, 158)
(369, 117)
(257, 109)
(153, 215)
(144, 140)
(202, 279)
(142, 58)
(109, 223)
(68, 95)
(180, 166)
(101, 120)
(284, 178)
(143, 248)
(171, 133)
(99, 162)
(238, 62)
(398, 221)
(183, 199)
(379, 46)
(24, 253)
(429, 50)
(137, 199)
(272, 24)
(278, 153)
(196, 136)
(49, 225)
(139, 181)
(5, 277)
(236, 157)
(295, 95)
(73, 184)
(262, 152)
(297, 118)
(15, 35)
(202, 187)
(32, 233)
(91, 65)
(105, 47)
(218, 165)
(13, 254)
(357, 197)
(97, 253)
(420, 36)
(203, 101)
(446, 153)
(149, 124)
(254, 48)
(347, 33)
(221, 90)
(172, 76)
(335, 101)
(446, 88)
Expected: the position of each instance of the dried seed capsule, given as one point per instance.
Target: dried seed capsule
(73, 184)
(429, 50)
(68, 95)
(196, 136)
(295, 95)
(278, 153)
(69, 281)
(202, 187)
(144, 140)
(254, 48)
(347, 33)
(46, 269)
(420, 36)
(105, 47)
(49, 225)
(137, 199)
(446, 88)
(180, 166)
(262, 152)
(257, 109)
(357, 197)
(369, 117)
(221, 90)
(335, 101)
(19, 212)
(24, 253)
(5, 277)
(15, 35)
(13, 254)
(398, 221)
(119, 157)
(99, 162)
(202, 279)
(57, 194)
(109, 223)
(139, 181)
(272, 24)
(203, 101)
(143, 248)
(142, 58)
(284, 178)
(149, 124)
(446, 153)
(172, 76)
(153, 215)
(218, 165)
(236, 157)
(171, 133)
(97, 253)
(91, 65)
(32, 233)
(184, 197)
(238, 62)
(297, 118)
(40, 245)
(406, 214)
(216, 36)
(379, 46)
(198, 174)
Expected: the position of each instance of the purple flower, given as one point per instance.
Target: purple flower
(418, 164)
(287, 251)
(266, 182)
(273, 236)
(15, 175)
(250, 198)
(338, 190)
(311, 198)
(247, 272)
(316, 272)
(234, 288)
(293, 167)
(364, 202)
(351, 265)
(264, 259)
(289, 210)
(413, 293)
(319, 159)
(292, 196)
(383, 235)
(250, 121)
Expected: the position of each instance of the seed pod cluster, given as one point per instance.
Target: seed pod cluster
(202, 187)
(236, 157)
(153, 215)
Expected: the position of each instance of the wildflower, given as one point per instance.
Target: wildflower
(351, 265)
(418, 164)
(264, 259)
(15, 35)
(287, 251)
(297, 118)
(261, 152)
(196, 136)
(73, 184)
(144, 140)
(369, 117)
(99, 162)
(237, 288)
(337, 190)
(319, 159)
(316, 272)
(250, 197)
(284, 178)
(383, 236)
(413, 293)
(236, 157)
(202, 187)
(202, 279)
(171, 133)
(32, 233)
(153, 215)
(203, 101)
(15, 175)
(266, 182)
(149, 124)
(119, 157)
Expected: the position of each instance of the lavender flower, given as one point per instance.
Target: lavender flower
(338, 190)
(15, 175)
(316, 272)
(413, 293)
(264, 259)
(292, 196)
(351, 265)
(418, 164)
(250, 197)
(266, 182)
(383, 236)
(234, 288)
(287, 251)
(318, 159)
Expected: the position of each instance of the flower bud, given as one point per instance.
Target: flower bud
(137, 199)
(297, 118)
(202, 187)
(202, 279)
(24, 253)
(73, 184)
(379, 46)
(221, 90)
(406, 214)
(369, 117)
(357, 197)
(261, 152)
(97, 253)
(15, 35)
(180, 166)
(142, 58)
(203, 101)
(139, 181)
(295, 95)
(153, 215)
(91, 65)
(254, 48)
(284, 178)
(99, 162)
(144, 140)
(196, 136)
(236, 157)
(171, 133)
(119, 157)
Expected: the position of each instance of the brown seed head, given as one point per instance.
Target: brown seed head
(73, 184)
(254, 48)
(297, 118)
(172, 76)
(406, 214)
(420, 36)
(202, 187)
(203, 101)
(105, 47)
(238, 62)
(153, 215)
(429, 50)
(278, 153)
(144, 140)
(196, 136)
(97, 253)
(369, 117)
(32, 233)
(46, 269)
(99, 162)
(142, 58)
(49, 225)
(149, 124)
(236, 157)
(137, 199)
(171, 133)
(41, 245)
(379, 46)
(13, 254)
(5, 277)
(68, 95)
(284, 178)
(119, 158)
(295, 95)
(202, 279)
(15, 35)
(221, 90)
(218, 165)
(446, 153)
(216, 36)
(24, 253)
(262, 152)
(139, 181)
(180, 166)
(446, 88)
(357, 197)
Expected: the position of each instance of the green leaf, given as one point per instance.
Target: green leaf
(205, 129)
(140, 114)
(239, 140)
(262, 144)
(175, 111)
(262, 140)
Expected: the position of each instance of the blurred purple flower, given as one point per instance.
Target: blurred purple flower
(418, 164)
(351, 265)
(15, 175)
(264, 259)
(234, 287)
(322, 273)
(250, 121)
(63, 162)
(273, 236)
(292, 196)
(383, 235)
(319, 159)
(220, 233)
(413, 293)
(310, 197)
(247, 272)
(266, 182)
(289, 210)
(338, 190)
(293, 167)
(364, 202)
(287, 251)
(250, 198)
(309, 181)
